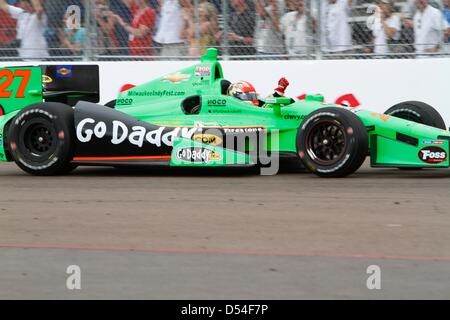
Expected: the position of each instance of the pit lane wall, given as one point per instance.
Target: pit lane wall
(369, 84)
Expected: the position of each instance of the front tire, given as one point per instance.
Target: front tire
(41, 139)
(419, 112)
(332, 142)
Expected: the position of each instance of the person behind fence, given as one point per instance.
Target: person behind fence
(386, 27)
(8, 43)
(447, 17)
(72, 37)
(170, 26)
(140, 30)
(430, 27)
(189, 30)
(336, 30)
(295, 28)
(106, 26)
(207, 29)
(242, 23)
(31, 26)
(268, 36)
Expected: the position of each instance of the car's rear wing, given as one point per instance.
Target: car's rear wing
(71, 83)
(19, 87)
(25, 85)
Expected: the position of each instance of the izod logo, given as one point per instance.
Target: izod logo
(206, 138)
(432, 155)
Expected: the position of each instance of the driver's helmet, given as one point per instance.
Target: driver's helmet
(244, 91)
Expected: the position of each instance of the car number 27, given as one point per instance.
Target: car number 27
(6, 79)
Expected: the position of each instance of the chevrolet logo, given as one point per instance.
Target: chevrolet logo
(177, 77)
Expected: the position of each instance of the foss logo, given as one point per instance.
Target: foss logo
(206, 138)
(432, 155)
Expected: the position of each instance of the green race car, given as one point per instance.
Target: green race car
(50, 124)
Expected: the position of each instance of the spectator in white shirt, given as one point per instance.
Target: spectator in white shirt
(171, 24)
(429, 28)
(31, 26)
(297, 29)
(386, 26)
(336, 31)
(268, 36)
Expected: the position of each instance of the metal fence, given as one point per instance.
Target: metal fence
(241, 29)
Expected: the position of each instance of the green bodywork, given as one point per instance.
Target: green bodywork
(393, 142)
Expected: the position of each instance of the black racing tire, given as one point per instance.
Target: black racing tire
(41, 139)
(332, 142)
(111, 104)
(419, 112)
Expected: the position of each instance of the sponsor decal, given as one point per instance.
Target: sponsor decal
(124, 102)
(433, 142)
(225, 111)
(199, 83)
(64, 71)
(432, 155)
(197, 155)
(156, 93)
(137, 135)
(207, 138)
(293, 117)
(203, 71)
(46, 79)
(243, 130)
(176, 77)
(217, 103)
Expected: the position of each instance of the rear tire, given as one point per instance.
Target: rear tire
(41, 139)
(419, 112)
(332, 142)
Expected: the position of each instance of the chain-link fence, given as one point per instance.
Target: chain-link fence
(240, 29)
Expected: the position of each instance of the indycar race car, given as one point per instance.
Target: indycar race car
(50, 124)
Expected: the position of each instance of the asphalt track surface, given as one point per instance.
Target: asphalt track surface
(224, 235)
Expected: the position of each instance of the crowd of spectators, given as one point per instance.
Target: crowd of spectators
(39, 29)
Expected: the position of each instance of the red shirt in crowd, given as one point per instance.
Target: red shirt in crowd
(142, 46)
(7, 28)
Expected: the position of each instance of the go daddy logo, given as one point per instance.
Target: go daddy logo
(137, 135)
(207, 138)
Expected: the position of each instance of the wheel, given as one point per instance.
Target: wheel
(332, 142)
(111, 104)
(41, 139)
(419, 112)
